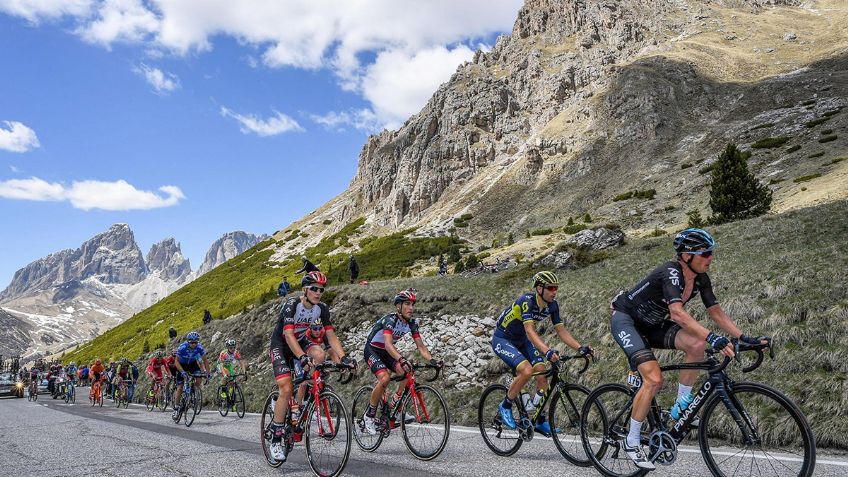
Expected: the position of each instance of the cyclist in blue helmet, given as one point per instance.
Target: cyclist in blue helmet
(651, 315)
(191, 359)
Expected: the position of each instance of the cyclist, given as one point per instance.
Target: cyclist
(519, 345)
(651, 315)
(122, 373)
(71, 370)
(96, 372)
(226, 360)
(288, 345)
(190, 359)
(171, 363)
(156, 370)
(382, 355)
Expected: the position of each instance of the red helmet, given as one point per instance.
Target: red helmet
(313, 278)
(406, 295)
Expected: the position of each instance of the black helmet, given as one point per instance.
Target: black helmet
(693, 241)
(545, 278)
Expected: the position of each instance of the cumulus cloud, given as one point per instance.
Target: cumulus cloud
(315, 34)
(272, 126)
(89, 194)
(162, 82)
(17, 137)
(362, 119)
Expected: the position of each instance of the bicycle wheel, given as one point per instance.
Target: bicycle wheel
(223, 399)
(67, 396)
(604, 423)
(150, 400)
(776, 439)
(239, 401)
(327, 430)
(564, 418)
(265, 428)
(365, 441)
(427, 436)
(198, 400)
(73, 394)
(500, 439)
(189, 406)
(125, 400)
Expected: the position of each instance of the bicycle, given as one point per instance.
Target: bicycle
(120, 394)
(95, 396)
(189, 400)
(169, 388)
(155, 396)
(758, 420)
(564, 401)
(32, 395)
(431, 421)
(70, 392)
(230, 396)
(324, 421)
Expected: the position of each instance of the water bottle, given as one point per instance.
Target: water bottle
(527, 401)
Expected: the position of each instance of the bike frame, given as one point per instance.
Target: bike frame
(554, 383)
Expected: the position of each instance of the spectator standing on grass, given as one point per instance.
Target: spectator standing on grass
(284, 288)
(172, 333)
(354, 269)
(308, 266)
(207, 317)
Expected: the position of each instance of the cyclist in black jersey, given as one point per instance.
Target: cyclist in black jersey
(383, 357)
(299, 316)
(651, 315)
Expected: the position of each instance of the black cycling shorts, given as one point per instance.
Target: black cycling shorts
(379, 360)
(637, 339)
(190, 368)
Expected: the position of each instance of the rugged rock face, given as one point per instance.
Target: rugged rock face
(111, 257)
(167, 258)
(15, 337)
(227, 247)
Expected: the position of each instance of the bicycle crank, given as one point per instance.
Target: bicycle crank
(663, 448)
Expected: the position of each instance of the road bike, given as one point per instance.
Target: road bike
(155, 397)
(564, 401)
(95, 396)
(323, 420)
(32, 395)
(120, 397)
(189, 405)
(427, 431)
(745, 428)
(230, 396)
(70, 392)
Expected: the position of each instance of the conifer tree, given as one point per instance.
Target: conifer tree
(735, 193)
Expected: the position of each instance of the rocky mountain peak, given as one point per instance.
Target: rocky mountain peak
(166, 257)
(227, 247)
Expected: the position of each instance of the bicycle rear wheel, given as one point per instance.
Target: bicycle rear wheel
(604, 424)
(499, 438)
(775, 439)
(73, 394)
(427, 437)
(327, 430)
(265, 431)
(223, 399)
(239, 401)
(564, 419)
(365, 441)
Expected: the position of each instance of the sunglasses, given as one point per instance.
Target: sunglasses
(192, 342)
(705, 254)
(552, 288)
(316, 289)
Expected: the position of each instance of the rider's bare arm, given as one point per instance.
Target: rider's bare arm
(566, 337)
(335, 344)
(422, 348)
(724, 322)
(530, 329)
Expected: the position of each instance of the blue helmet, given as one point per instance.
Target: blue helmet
(193, 336)
(693, 241)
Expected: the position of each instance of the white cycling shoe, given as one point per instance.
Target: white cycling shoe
(278, 451)
(637, 455)
(370, 426)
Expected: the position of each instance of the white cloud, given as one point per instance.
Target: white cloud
(363, 119)
(18, 137)
(272, 126)
(119, 20)
(14, 169)
(162, 82)
(37, 10)
(87, 195)
(399, 83)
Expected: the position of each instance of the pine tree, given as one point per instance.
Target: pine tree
(735, 193)
(587, 218)
(527, 234)
(472, 261)
(510, 240)
(570, 221)
(695, 219)
(459, 267)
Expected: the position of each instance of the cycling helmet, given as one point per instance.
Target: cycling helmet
(313, 278)
(160, 353)
(406, 295)
(97, 361)
(174, 352)
(73, 363)
(693, 241)
(545, 278)
(230, 343)
(193, 336)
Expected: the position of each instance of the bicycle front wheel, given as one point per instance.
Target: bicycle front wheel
(265, 428)
(365, 441)
(223, 401)
(189, 406)
(604, 424)
(773, 438)
(73, 394)
(502, 440)
(239, 401)
(327, 430)
(427, 435)
(564, 419)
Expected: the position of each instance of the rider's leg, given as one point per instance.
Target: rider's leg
(694, 349)
(284, 385)
(380, 386)
(651, 385)
(523, 373)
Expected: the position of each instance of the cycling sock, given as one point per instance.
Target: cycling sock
(277, 429)
(683, 390)
(371, 411)
(538, 398)
(635, 431)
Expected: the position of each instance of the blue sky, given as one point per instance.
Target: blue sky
(192, 118)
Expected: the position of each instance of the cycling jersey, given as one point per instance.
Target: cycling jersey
(186, 354)
(394, 325)
(157, 366)
(296, 317)
(510, 325)
(171, 363)
(96, 370)
(648, 301)
(227, 358)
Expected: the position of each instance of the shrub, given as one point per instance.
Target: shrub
(770, 142)
(775, 181)
(459, 223)
(570, 221)
(669, 208)
(527, 234)
(828, 138)
(484, 255)
(453, 254)
(645, 194)
(587, 218)
(817, 154)
(734, 192)
(327, 222)
(657, 232)
(472, 261)
(459, 267)
(510, 239)
(466, 217)
(686, 165)
(695, 219)
(624, 196)
(541, 232)
(292, 235)
(836, 161)
(832, 112)
(761, 126)
(574, 228)
(705, 169)
(815, 122)
(808, 102)
(793, 148)
(806, 178)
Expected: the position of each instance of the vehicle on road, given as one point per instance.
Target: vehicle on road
(10, 385)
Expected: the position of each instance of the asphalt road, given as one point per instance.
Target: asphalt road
(51, 438)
